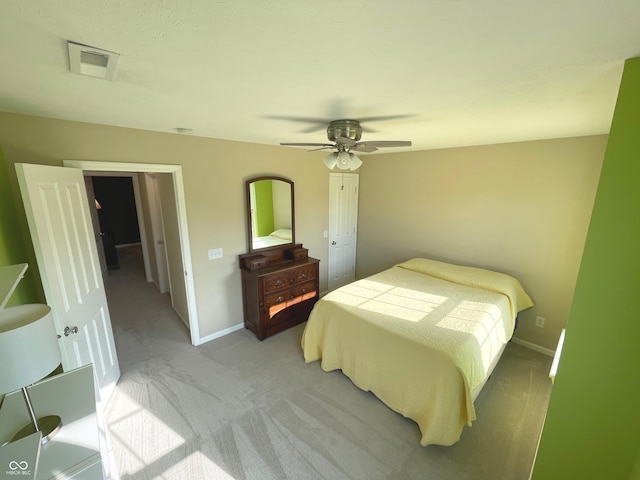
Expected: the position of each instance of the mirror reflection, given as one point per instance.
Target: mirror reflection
(270, 201)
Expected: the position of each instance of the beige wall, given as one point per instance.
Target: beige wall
(520, 208)
(214, 173)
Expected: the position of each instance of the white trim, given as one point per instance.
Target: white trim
(221, 333)
(533, 346)
(556, 357)
(178, 185)
(125, 245)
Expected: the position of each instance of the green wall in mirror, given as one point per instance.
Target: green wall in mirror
(270, 212)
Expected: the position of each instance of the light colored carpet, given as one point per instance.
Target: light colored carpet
(237, 408)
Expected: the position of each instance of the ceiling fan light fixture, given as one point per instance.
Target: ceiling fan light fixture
(344, 160)
(346, 136)
(331, 160)
(355, 163)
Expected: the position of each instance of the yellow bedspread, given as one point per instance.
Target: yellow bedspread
(421, 344)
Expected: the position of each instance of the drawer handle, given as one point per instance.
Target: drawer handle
(280, 299)
(303, 276)
(278, 283)
(304, 290)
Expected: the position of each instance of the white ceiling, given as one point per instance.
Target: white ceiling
(456, 72)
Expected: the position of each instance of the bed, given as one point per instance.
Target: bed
(423, 336)
(277, 237)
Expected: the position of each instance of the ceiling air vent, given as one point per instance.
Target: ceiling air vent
(86, 60)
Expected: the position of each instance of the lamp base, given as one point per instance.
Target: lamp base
(49, 427)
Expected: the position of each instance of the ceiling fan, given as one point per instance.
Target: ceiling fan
(345, 135)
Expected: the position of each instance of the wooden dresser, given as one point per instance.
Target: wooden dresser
(279, 288)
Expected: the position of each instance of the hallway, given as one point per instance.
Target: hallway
(138, 310)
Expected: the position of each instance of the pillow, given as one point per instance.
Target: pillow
(474, 277)
(284, 233)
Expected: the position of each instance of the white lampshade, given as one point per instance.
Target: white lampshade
(355, 162)
(331, 160)
(28, 346)
(344, 160)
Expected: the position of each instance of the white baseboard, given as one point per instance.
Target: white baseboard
(533, 346)
(180, 316)
(125, 245)
(221, 333)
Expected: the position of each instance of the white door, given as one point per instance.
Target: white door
(175, 263)
(55, 202)
(343, 222)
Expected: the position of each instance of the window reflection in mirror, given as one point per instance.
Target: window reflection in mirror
(270, 212)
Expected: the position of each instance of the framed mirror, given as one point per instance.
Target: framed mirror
(270, 212)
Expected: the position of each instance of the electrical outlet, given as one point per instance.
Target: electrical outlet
(215, 253)
(540, 322)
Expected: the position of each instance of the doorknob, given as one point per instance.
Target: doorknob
(333, 243)
(69, 330)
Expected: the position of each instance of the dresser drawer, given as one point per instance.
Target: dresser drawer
(287, 298)
(279, 298)
(304, 274)
(305, 290)
(276, 282)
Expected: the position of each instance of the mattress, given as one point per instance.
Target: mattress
(423, 336)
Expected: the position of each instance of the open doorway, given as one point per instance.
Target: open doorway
(119, 219)
(168, 182)
(127, 214)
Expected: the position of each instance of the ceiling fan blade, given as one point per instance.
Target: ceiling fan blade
(346, 141)
(317, 124)
(362, 148)
(292, 118)
(322, 148)
(385, 143)
(381, 118)
(307, 144)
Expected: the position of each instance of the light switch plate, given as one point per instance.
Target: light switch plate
(215, 253)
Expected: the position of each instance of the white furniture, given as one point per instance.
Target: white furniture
(20, 458)
(28, 353)
(74, 452)
(10, 276)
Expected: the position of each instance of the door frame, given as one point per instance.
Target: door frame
(178, 185)
(157, 234)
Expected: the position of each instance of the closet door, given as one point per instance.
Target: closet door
(343, 223)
